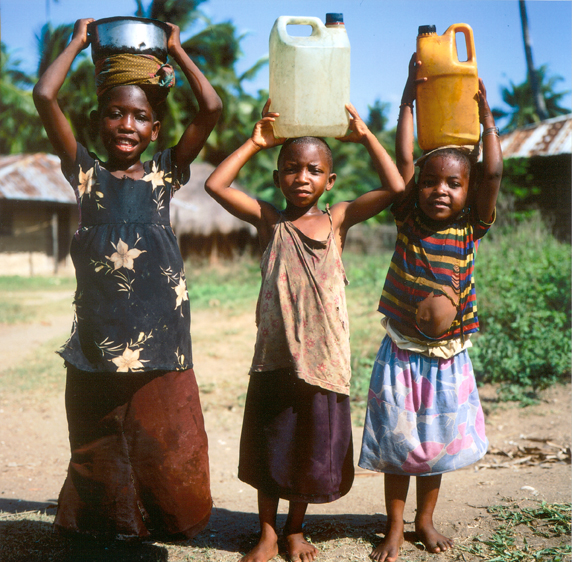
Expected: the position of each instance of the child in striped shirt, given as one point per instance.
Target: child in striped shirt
(424, 416)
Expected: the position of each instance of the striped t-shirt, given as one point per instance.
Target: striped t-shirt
(429, 255)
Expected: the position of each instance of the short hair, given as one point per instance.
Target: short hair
(316, 141)
(460, 156)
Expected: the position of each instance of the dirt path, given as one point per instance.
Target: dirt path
(34, 453)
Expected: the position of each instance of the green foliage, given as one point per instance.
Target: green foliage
(507, 543)
(520, 101)
(523, 295)
(518, 198)
(180, 12)
(377, 120)
(355, 172)
(51, 42)
(21, 129)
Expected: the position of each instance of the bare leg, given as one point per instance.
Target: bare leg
(396, 487)
(267, 547)
(298, 548)
(427, 494)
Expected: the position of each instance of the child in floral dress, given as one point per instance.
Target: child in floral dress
(139, 459)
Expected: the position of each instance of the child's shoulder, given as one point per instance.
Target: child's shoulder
(84, 162)
(164, 164)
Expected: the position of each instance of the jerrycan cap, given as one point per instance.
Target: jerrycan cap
(427, 29)
(334, 19)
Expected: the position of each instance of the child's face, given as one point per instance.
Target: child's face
(126, 124)
(304, 174)
(443, 187)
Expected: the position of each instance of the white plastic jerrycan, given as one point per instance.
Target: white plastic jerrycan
(310, 77)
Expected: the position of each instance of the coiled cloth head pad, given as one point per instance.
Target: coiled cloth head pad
(137, 70)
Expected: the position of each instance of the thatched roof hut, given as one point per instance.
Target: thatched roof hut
(203, 227)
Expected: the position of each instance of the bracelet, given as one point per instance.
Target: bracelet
(406, 104)
(491, 131)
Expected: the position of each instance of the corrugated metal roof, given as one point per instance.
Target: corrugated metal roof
(34, 177)
(547, 138)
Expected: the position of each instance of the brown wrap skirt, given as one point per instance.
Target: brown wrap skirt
(139, 456)
(296, 440)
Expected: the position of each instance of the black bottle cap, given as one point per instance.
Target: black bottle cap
(334, 19)
(427, 29)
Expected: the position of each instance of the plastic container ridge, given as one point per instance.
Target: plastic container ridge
(310, 77)
(447, 105)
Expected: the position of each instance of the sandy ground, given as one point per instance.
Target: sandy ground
(522, 466)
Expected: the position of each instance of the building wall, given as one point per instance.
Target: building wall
(27, 241)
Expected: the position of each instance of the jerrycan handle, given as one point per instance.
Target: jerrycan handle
(467, 31)
(318, 28)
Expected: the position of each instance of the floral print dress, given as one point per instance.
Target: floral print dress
(132, 310)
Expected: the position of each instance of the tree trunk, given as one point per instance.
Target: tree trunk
(537, 96)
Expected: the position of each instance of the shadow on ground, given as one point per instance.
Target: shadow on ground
(26, 539)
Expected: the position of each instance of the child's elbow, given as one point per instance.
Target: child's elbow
(494, 173)
(213, 106)
(40, 95)
(398, 187)
(210, 187)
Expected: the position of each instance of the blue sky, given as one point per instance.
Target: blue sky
(382, 35)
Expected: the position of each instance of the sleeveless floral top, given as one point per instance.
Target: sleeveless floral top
(132, 310)
(301, 313)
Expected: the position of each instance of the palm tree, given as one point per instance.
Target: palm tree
(539, 103)
(77, 95)
(20, 131)
(519, 97)
(215, 49)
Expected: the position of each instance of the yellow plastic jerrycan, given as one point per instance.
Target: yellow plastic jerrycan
(447, 106)
(310, 77)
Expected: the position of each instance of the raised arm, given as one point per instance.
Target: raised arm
(404, 135)
(218, 185)
(369, 204)
(210, 105)
(488, 189)
(57, 127)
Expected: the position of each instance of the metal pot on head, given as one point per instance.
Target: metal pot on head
(140, 36)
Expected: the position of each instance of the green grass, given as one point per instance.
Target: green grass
(16, 297)
(233, 285)
(17, 283)
(508, 543)
(41, 370)
(523, 291)
(366, 275)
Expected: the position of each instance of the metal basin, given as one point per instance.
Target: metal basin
(141, 36)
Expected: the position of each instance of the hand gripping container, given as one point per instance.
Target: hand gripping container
(447, 106)
(310, 77)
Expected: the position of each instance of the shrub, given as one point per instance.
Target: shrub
(523, 292)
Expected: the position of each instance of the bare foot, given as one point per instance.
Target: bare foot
(299, 549)
(265, 550)
(433, 540)
(388, 550)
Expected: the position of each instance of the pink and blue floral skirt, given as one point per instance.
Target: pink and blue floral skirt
(424, 416)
